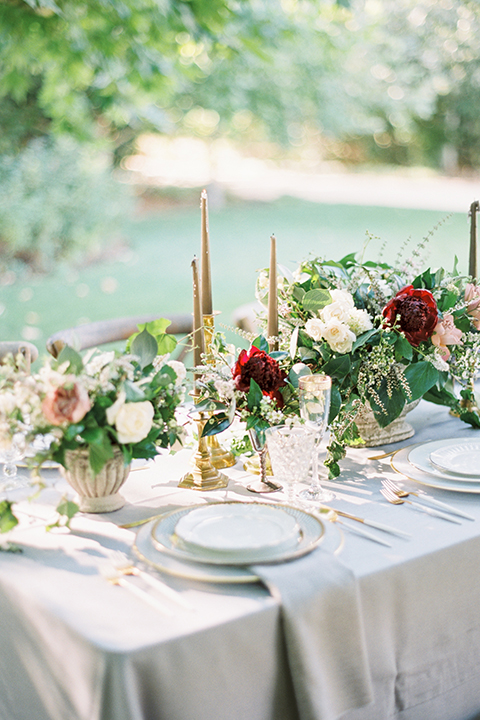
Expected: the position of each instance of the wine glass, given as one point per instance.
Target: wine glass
(290, 449)
(314, 397)
(11, 452)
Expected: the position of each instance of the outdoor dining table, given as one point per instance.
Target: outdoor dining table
(73, 646)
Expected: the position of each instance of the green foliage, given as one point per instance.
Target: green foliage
(57, 202)
(7, 518)
(393, 81)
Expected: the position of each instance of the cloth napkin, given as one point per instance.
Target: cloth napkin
(324, 634)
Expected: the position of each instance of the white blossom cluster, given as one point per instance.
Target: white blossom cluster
(339, 323)
(467, 358)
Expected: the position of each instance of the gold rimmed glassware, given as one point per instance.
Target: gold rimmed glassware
(314, 392)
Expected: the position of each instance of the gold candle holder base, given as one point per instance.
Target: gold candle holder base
(204, 476)
(220, 457)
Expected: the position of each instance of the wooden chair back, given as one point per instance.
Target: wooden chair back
(102, 332)
(13, 347)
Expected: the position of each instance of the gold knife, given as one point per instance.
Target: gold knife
(370, 523)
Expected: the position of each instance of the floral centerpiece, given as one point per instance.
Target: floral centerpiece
(99, 405)
(385, 335)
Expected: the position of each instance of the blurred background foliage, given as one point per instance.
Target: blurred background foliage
(392, 82)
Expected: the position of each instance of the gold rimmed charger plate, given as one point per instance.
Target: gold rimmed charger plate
(400, 463)
(332, 542)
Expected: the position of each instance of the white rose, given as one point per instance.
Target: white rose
(112, 411)
(359, 321)
(339, 336)
(180, 370)
(340, 308)
(133, 421)
(314, 328)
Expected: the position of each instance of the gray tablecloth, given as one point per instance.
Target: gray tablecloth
(74, 646)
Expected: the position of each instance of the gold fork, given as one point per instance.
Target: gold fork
(395, 500)
(426, 498)
(125, 566)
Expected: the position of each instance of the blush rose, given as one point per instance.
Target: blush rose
(68, 403)
(446, 333)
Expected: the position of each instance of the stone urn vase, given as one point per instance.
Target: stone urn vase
(373, 435)
(97, 493)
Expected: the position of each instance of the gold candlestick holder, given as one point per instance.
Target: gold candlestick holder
(220, 457)
(203, 476)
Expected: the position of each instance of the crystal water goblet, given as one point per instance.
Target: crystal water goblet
(290, 449)
(11, 452)
(314, 392)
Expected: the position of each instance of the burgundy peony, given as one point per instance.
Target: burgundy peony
(418, 313)
(259, 366)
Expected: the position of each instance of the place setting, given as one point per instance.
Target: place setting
(450, 464)
(218, 542)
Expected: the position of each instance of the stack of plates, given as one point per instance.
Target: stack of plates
(452, 464)
(216, 542)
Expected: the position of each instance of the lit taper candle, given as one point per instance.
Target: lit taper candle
(207, 303)
(272, 328)
(198, 339)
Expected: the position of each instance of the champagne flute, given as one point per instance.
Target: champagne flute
(314, 393)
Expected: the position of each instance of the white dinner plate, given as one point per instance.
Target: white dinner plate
(402, 464)
(419, 457)
(461, 458)
(311, 532)
(231, 530)
(143, 547)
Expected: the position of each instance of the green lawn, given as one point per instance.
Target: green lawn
(155, 274)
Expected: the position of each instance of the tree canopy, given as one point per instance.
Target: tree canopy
(397, 80)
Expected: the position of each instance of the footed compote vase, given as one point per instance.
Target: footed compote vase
(97, 493)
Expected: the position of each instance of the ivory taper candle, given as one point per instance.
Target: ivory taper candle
(198, 339)
(207, 303)
(272, 328)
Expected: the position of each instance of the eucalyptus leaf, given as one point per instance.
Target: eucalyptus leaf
(68, 354)
(133, 393)
(145, 347)
(316, 299)
(364, 338)
(261, 343)
(298, 371)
